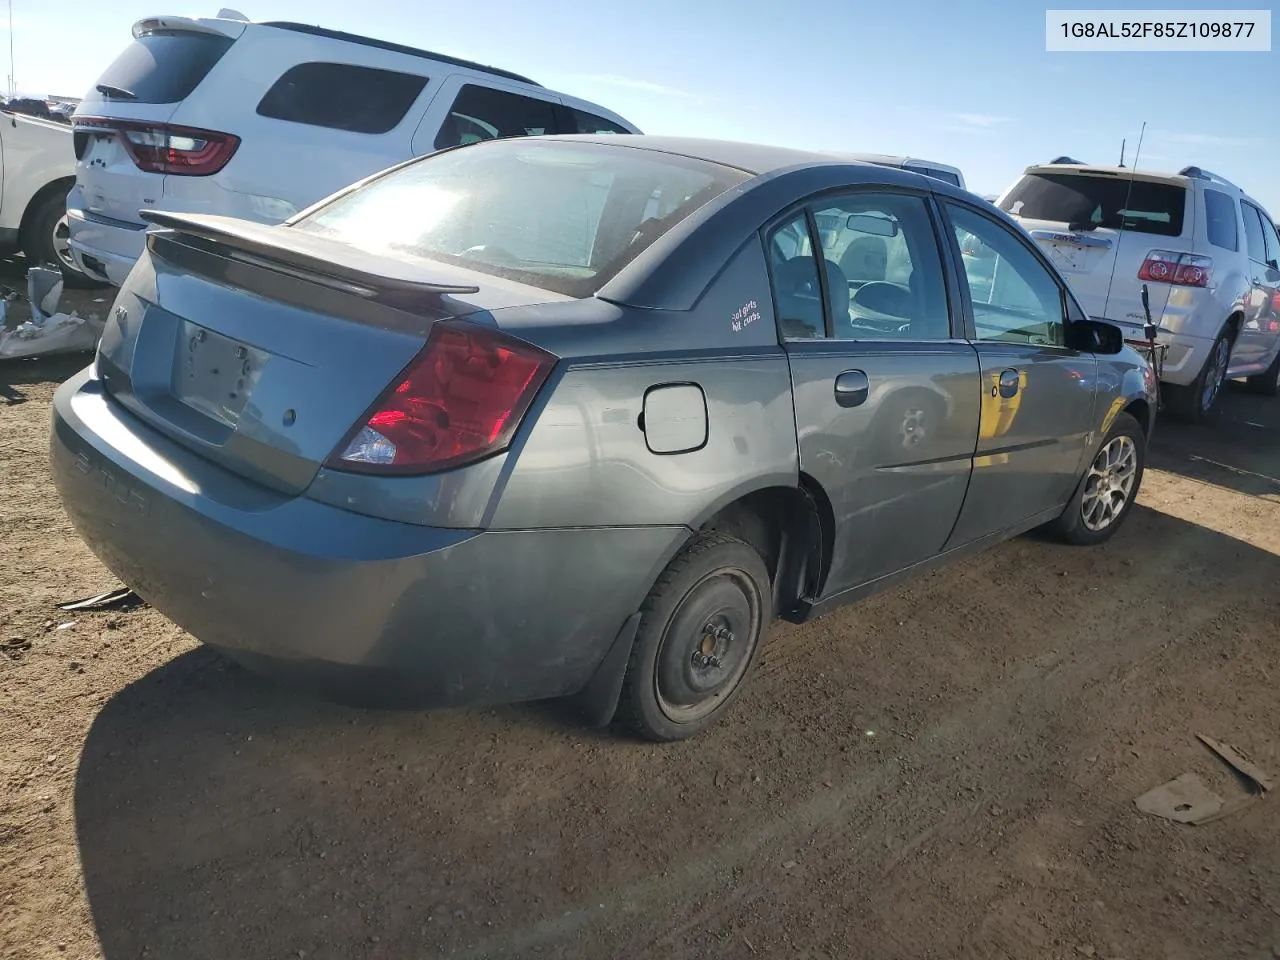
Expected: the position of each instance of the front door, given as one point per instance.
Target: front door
(1037, 394)
(886, 391)
(1255, 344)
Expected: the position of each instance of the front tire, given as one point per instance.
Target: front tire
(1109, 487)
(1267, 384)
(701, 631)
(46, 241)
(1194, 402)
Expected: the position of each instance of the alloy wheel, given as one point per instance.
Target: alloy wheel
(1217, 373)
(1109, 483)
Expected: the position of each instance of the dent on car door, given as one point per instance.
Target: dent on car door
(885, 392)
(1037, 395)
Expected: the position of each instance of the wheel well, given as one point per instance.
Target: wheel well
(63, 185)
(793, 530)
(1233, 325)
(1140, 410)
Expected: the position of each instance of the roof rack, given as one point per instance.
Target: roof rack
(1199, 173)
(396, 48)
(1064, 160)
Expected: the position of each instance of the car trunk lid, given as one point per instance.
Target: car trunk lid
(129, 107)
(261, 346)
(1096, 225)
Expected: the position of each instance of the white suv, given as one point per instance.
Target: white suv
(260, 120)
(1208, 254)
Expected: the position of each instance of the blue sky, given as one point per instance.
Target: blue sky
(965, 83)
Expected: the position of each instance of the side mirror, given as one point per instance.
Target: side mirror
(1097, 336)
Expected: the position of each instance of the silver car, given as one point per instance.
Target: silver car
(581, 415)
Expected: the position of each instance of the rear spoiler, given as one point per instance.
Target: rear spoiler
(308, 256)
(228, 27)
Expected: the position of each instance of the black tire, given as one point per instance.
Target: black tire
(39, 245)
(681, 675)
(1188, 403)
(1267, 384)
(1074, 525)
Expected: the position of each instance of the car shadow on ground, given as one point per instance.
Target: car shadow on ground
(214, 809)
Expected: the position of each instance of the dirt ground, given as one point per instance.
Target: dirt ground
(947, 770)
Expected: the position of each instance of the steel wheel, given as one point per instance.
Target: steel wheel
(1109, 483)
(708, 644)
(1216, 373)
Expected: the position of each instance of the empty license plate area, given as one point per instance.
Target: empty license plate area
(213, 374)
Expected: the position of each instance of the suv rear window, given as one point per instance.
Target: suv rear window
(558, 215)
(1101, 201)
(162, 67)
(341, 96)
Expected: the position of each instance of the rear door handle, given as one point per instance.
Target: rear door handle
(1008, 383)
(851, 388)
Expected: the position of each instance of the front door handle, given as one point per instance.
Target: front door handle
(1008, 383)
(851, 388)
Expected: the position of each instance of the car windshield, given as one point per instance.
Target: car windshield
(1085, 202)
(564, 216)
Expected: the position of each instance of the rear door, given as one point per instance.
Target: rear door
(885, 389)
(1076, 217)
(168, 58)
(1037, 394)
(1255, 344)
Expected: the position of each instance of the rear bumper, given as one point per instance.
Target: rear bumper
(104, 249)
(1185, 357)
(359, 608)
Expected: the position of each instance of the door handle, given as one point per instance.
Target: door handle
(1008, 383)
(852, 388)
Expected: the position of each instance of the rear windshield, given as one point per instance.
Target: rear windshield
(1083, 201)
(561, 216)
(162, 67)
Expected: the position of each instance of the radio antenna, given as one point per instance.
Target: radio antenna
(1122, 142)
(1106, 304)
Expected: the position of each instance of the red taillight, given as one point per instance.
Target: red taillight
(162, 148)
(1182, 269)
(461, 399)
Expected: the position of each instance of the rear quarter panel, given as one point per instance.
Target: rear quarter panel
(586, 462)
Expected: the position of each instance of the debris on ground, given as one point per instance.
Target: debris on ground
(121, 598)
(59, 333)
(44, 289)
(1186, 799)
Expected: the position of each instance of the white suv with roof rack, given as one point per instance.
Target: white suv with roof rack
(1208, 254)
(261, 120)
(930, 168)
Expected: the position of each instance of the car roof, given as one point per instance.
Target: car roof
(752, 158)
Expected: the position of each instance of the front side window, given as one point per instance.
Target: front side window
(573, 120)
(1220, 220)
(483, 113)
(562, 216)
(1016, 299)
(1256, 239)
(341, 96)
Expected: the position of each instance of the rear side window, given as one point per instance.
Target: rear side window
(1220, 220)
(341, 96)
(162, 67)
(482, 113)
(1253, 233)
(559, 215)
(1083, 201)
(579, 121)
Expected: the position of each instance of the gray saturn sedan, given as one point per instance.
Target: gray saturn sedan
(556, 416)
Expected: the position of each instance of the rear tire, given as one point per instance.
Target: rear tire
(45, 243)
(1108, 489)
(1267, 384)
(1195, 402)
(701, 631)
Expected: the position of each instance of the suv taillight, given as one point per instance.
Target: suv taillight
(163, 148)
(1183, 269)
(460, 400)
